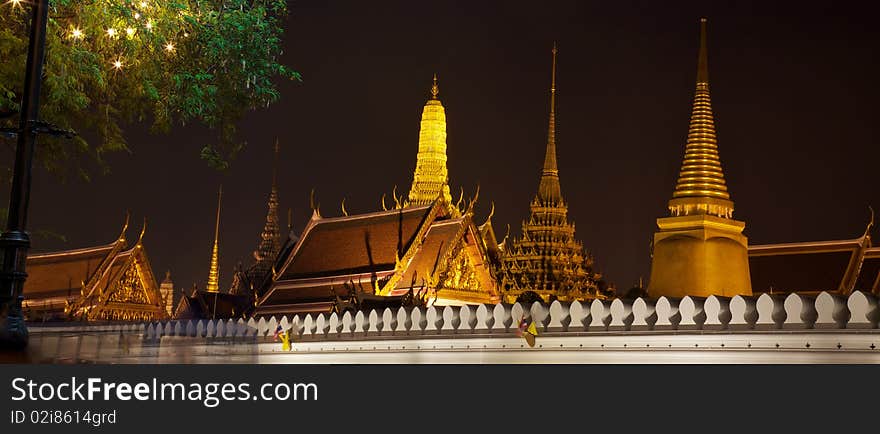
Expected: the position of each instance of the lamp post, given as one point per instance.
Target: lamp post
(14, 242)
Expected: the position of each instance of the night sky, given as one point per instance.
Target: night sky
(794, 91)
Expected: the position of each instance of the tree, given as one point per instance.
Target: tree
(166, 62)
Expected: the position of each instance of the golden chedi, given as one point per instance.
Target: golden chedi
(700, 249)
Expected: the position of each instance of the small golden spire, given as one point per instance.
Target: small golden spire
(214, 272)
(435, 90)
(703, 59)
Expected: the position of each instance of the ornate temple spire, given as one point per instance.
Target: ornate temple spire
(431, 179)
(701, 188)
(549, 191)
(271, 235)
(547, 261)
(214, 272)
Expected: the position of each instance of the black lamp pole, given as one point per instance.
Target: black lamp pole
(14, 242)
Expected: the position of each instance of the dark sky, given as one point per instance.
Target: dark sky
(794, 93)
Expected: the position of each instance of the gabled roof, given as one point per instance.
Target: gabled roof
(427, 261)
(60, 273)
(92, 283)
(353, 244)
(835, 265)
(213, 305)
(332, 252)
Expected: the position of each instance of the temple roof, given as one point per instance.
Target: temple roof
(64, 272)
(353, 244)
(835, 266)
(212, 305)
(95, 283)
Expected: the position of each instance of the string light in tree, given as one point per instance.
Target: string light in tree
(14, 3)
(111, 32)
(117, 64)
(169, 47)
(129, 31)
(76, 33)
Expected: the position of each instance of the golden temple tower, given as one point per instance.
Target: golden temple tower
(700, 250)
(431, 179)
(547, 260)
(214, 272)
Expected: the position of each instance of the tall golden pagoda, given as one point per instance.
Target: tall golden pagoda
(547, 260)
(700, 250)
(214, 272)
(431, 179)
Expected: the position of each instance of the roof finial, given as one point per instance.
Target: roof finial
(124, 226)
(435, 90)
(140, 241)
(870, 223)
(703, 61)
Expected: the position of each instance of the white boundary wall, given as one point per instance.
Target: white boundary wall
(767, 329)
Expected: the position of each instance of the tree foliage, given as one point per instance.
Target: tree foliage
(166, 62)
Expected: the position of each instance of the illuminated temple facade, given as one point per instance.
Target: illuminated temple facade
(547, 262)
(700, 249)
(425, 250)
(113, 282)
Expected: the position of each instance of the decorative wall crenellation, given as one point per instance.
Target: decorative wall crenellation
(738, 314)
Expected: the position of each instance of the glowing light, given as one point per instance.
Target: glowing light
(129, 31)
(143, 5)
(111, 32)
(14, 2)
(149, 25)
(137, 15)
(76, 33)
(169, 47)
(117, 64)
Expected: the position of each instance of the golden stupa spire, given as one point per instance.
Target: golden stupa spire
(700, 250)
(549, 190)
(214, 272)
(431, 179)
(701, 188)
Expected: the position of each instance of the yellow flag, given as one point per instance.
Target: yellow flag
(532, 329)
(285, 342)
